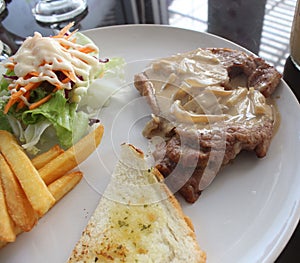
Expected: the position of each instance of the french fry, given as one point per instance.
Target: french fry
(17, 203)
(59, 189)
(34, 187)
(68, 160)
(7, 233)
(64, 184)
(17, 231)
(44, 158)
(53, 166)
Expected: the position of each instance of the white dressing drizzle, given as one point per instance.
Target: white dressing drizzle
(46, 55)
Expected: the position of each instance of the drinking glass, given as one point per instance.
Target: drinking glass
(2, 6)
(5, 50)
(53, 11)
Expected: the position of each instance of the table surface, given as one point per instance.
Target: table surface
(17, 23)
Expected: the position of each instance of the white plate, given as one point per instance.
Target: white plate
(247, 214)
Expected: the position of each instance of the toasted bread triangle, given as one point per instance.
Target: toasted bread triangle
(137, 219)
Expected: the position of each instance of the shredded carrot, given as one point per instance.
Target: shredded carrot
(70, 75)
(70, 35)
(26, 90)
(43, 100)
(34, 74)
(63, 34)
(17, 86)
(29, 86)
(10, 66)
(86, 49)
(21, 103)
(64, 30)
(58, 87)
(40, 102)
(73, 40)
(66, 36)
(66, 80)
(15, 96)
(64, 45)
(9, 104)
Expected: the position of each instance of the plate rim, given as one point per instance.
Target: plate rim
(295, 216)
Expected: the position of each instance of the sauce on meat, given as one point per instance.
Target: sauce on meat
(190, 94)
(189, 90)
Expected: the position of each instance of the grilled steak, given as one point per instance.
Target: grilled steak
(208, 105)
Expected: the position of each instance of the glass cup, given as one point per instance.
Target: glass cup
(295, 37)
(2, 6)
(53, 11)
(5, 51)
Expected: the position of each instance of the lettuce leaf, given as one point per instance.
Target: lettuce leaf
(68, 124)
(114, 68)
(32, 136)
(4, 123)
(59, 120)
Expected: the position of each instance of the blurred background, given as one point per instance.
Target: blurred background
(262, 26)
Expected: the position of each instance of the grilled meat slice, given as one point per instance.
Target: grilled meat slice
(203, 120)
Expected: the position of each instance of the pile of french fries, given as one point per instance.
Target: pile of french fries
(30, 187)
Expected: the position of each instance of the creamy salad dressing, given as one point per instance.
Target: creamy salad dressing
(53, 87)
(46, 55)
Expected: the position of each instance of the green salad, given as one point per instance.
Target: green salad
(52, 88)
